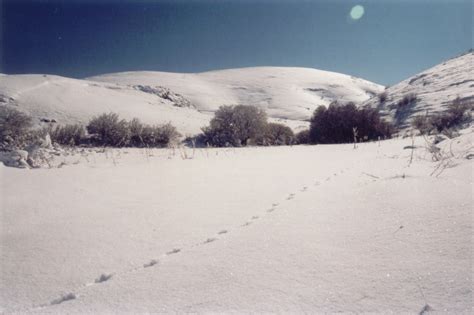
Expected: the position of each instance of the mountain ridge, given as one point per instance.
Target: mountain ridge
(289, 95)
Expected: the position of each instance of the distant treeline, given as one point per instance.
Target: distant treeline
(238, 125)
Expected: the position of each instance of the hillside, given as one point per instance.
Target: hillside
(284, 92)
(434, 89)
(75, 101)
(289, 95)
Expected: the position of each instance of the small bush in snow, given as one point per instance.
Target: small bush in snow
(142, 135)
(109, 130)
(407, 99)
(14, 126)
(382, 97)
(276, 134)
(136, 132)
(70, 135)
(159, 136)
(458, 113)
(235, 126)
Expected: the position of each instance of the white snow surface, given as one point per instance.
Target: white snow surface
(305, 229)
(435, 88)
(284, 92)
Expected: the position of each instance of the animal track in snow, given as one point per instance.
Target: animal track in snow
(103, 277)
(153, 262)
(210, 240)
(150, 263)
(174, 251)
(64, 298)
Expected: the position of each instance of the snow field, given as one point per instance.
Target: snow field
(281, 229)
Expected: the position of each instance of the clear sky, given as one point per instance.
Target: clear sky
(380, 40)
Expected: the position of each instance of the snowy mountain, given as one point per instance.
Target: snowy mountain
(289, 95)
(434, 89)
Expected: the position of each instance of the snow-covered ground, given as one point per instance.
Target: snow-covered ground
(435, 89)
(303, 229)
(188, 101)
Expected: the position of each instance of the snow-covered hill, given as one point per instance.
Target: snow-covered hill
(289, 95)
(75, 101)
(434, 89)
(284, 92)
(188, 100)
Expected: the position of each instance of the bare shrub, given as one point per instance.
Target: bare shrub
(14, 126)
(160, 136)
(407, 99)
(136, 133)
(142, 135)
(71, 134)
(109, 130)
(458, 112)
(276, 134)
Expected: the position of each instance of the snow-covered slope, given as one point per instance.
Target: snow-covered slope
(284, 92)
(434, 88)
(232, 231)
(75, 101)
(289, 95)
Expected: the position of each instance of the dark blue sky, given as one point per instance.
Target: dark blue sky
(391, 41)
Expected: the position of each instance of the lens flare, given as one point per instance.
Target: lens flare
(357, 12)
